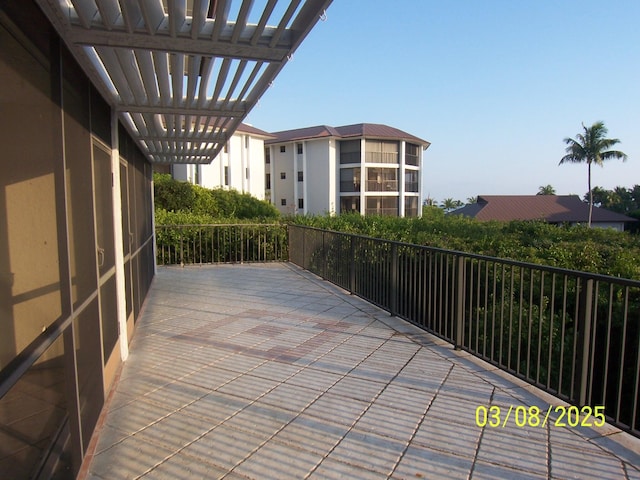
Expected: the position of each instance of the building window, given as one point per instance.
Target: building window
(411, 156)
(349, 204)
(267, 155)
(283, 148)
(246, 173)
(301, 203)
(299, 147)
(350, 179)
(411, 180)
(411, 206)
(268, 181)
(382, 206)
(350, 151)
(382, 180)
(300, 176)
(283, 202)
(381, 151)
(226, 175)
(283, 175)
(196, 175)
(226, 148)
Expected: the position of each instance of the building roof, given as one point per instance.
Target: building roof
(319, 131)
(550, 208)
(256, 132)
(358, 130)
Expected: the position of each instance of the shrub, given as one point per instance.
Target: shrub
(577, 248)
(213, 205)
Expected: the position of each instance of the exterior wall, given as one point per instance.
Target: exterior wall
(76, 244)
(257, 169)
(243, 159)
(283, 189)
(319, 177)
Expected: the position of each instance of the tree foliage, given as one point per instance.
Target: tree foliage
(181, 202)
(589, 147)
(546, 190)
(577, 248)
(620, 199)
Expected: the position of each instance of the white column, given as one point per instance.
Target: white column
(363, 177)
(305, 182)
(420, 153)
(401, 185)
(220, 158)
(153, 227)
(243, 163)
(117, 229)
(272, 171)
(334, 178)
(294, 154)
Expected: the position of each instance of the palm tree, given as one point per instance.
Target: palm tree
(589, 147)
(546, 190)
(449, 204)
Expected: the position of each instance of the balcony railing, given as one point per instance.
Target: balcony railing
(411, 186)
(381, 157)
(222, 243)
(573, 334)
(349, 186)
(382, 186)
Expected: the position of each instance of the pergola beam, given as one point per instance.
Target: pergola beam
(202, 45)
(181, 80)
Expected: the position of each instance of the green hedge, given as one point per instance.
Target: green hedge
(174, 196)
(596, 250)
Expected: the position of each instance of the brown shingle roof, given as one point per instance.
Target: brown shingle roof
(245, 128)
(550, 208)
(366, 130)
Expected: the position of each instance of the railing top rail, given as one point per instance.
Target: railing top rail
(222, 225)
(547, 268)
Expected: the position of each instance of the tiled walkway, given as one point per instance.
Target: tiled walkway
(266, 372)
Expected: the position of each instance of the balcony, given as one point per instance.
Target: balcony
(267, 371)
(382, 185)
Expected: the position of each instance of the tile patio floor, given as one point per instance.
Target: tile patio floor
(267, 372)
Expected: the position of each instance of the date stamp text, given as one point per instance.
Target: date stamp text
(535, 417)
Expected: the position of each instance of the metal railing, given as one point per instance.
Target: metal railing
(220, 243)
(381, 157)
(382, 186)
(573, 334)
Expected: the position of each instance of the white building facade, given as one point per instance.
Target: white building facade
(239, 166)
(367, 168)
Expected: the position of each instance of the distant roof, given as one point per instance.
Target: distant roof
(550, 208)
(359, 130)
(246, 128)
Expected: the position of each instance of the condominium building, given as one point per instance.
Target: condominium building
(367, 168)
(240, 165)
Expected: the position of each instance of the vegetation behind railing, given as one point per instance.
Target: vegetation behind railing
(573, 334)
(220, 243)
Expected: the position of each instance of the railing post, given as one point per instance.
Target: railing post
(352, 264)
(241, 244)
(325, 255)
(460, 288)
(181, 248)
(304, 265)
(584, 335)
(393, 280)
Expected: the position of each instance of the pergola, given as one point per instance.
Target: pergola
(183, 74)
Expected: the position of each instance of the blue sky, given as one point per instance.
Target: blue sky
(494, 85)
